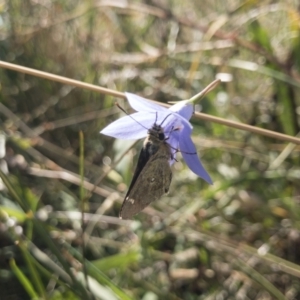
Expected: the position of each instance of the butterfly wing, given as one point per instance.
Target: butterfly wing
(153, 181)
(147, 151)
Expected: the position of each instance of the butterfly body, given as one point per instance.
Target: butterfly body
(153, 175)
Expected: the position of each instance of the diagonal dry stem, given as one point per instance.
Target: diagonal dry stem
(77, 83)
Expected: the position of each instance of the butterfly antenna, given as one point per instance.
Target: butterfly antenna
(123, 110)
(165, 119)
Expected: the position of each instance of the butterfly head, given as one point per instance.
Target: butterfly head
(157, 131)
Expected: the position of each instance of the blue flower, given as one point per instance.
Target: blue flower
(176, 117)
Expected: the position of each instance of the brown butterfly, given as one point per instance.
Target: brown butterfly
(152, 176)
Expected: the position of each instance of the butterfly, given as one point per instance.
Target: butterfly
(152, 176)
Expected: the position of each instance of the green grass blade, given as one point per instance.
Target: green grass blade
(23, 280)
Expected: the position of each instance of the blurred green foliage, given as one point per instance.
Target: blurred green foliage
(237, 239)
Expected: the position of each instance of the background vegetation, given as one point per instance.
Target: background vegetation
(237, 239)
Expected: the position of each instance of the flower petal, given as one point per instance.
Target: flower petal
(183, 109)
(141, 104)
(136, 125)
(128, 128)
(189, 153)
